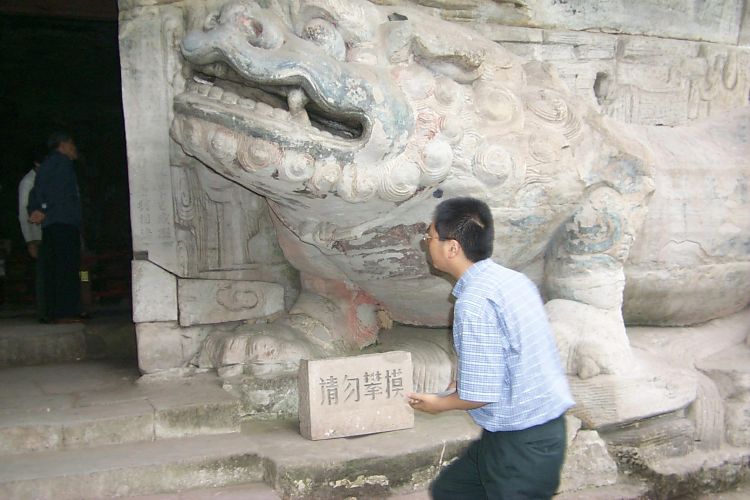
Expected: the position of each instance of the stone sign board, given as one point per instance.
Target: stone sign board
(355, 395)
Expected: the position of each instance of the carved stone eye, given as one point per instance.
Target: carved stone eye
(324, 34)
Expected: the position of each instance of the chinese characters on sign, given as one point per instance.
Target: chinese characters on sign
(355, 395)
(370, 384)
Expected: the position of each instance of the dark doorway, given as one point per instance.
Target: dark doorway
(60, 70)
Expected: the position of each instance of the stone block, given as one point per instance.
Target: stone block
(26, 345)
(146, 99)
(154, 293)
(587, 463)
(218, 301)
(355, 395)
(26, 438)
(212, 417)
(159, 346)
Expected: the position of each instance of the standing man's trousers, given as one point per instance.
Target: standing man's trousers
(62, 263)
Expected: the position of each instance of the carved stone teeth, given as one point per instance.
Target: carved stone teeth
(215, 92)
(247, 103)
(203, 89)
(301, 118)
(280, 114)
(230, 97)
(297, 99)
(264, 109)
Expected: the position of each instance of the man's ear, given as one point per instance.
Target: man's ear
(454, 248)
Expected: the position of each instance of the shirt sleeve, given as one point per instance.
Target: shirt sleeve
(24, 194)
(481, 367)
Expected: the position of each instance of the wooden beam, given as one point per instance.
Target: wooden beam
(100, 10)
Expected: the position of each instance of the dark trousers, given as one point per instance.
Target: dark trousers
(41, 301)
(510, 465)
(61, 265)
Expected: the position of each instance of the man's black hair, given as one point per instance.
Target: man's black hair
(468, 221)
(57, 138)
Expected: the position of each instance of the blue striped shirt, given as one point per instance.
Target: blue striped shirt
(507, 355)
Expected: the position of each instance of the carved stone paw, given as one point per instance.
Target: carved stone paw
(591, 341)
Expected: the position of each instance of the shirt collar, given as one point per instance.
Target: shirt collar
(474, 270)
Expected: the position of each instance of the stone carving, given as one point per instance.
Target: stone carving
(332, 128)
(440, 115)
(449, 114)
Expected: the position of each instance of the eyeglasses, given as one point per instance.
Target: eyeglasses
(427, 237)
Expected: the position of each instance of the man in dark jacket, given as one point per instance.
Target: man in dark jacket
(55, 204)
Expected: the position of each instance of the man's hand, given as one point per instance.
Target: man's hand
(33, 247)
(429, 403)
(36, 217)
(434, 403)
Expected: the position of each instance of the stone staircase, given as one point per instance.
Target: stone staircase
(91, 429)
(87, 426)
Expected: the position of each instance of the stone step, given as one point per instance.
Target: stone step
(25, 343)
(700, 472)
(245, 491)
(131, 469)
(625, 489)
(372, 466)
(70, 406)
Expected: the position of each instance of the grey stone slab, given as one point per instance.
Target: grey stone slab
(25, 345)
(200, 406)
(38, 430)
(384, 465)
(26, 438)
(159, 346)
(154, 293)
(218, 301)
(197, 419)
(371, 466)
(105, 406)
(36, 402)
(621, 491)
(118, 470)
(14, 385)
(355, 395)
(253, 491)
(114, 430)
(82, 377)
(698, 472)
(144, 87)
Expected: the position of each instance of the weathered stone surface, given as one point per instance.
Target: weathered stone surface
(154, 293)
(669, 434)
(346, 228)
(332, 132)
(220, 301)
(730, 371)
(159, 346)
(355, 395)
(33, 345)
(650, 389)
(146, 87)
(716, 21)
(587, 463)
(674, 275)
